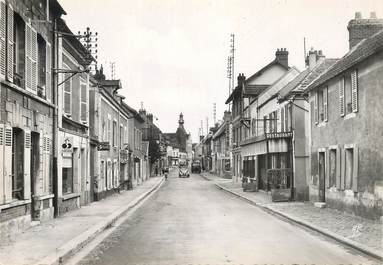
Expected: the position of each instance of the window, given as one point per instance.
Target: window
(121, 137)
(114, 139)
(320, 105)
(349, 167)
(41, 62)
(109, 129)
(83, 101)
(67, 180)
(347, 93)
(19, 51)
(18, 163)
(332, 167)
(67, 92)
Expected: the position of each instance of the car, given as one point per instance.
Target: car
(183, 171)
(196, 167)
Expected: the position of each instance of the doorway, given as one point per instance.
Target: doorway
(322, 181)
(35, 170)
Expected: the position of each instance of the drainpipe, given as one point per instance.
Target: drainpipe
(55, 119)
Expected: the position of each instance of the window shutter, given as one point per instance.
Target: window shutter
(27, 164)
(8, 164)
(354, 90)
(3, 29)
(325, 108)
(67, 93)
(355, 170)
(34, 59)
(48, 86)
(341, 97)
(343, 170)
(316, 107)
(327, 168)
(10, 44)
(83, 91)
(28, 58)
(40, 186)
(338, 167)
(282, 119)
(1, 163)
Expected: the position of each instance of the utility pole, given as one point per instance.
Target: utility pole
(207, 125)
(232, 51)
(113, 69)
(215, 112)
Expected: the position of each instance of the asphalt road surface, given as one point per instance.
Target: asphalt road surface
(190, 221)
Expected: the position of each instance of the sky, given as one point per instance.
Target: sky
(171, 55)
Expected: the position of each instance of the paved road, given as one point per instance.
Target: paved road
(189, 221)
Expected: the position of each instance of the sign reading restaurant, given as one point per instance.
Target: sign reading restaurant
(279, 135)
(103, 146)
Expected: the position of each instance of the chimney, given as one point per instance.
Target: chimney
(282, 56)
(314, 58)
(360, 28)
(241, 79)
(150, 118)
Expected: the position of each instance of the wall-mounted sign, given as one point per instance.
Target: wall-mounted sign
(103, 146)
(67, 147)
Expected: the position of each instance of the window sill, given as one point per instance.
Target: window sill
(14, 204)
(70, 196)
(44, 197)
(350, 116)
(322, 124)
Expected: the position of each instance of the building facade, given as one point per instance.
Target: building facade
(27, 108)
(73, 176)
(346, 125)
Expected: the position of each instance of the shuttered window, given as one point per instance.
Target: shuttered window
(354, 90)
(83, 101)
(67, 92)
(31, 59)
(3, 46)
(341, 97)
(325, 108)
(316, 96)
(48, 85)
(10, 46)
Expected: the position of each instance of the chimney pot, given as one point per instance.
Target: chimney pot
(373, 15)
(358, 15)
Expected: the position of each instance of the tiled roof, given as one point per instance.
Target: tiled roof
(254, 90)
(305, 78)
(358, 53)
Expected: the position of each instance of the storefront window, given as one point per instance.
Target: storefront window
(67, 180)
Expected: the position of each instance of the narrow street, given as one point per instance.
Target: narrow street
(189, 221)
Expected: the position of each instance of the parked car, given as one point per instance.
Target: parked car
(196, 167)
(183, 171)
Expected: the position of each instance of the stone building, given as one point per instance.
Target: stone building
(73, 176)
(221, 161)
(109, 132)
(346, 125)
(27, 109)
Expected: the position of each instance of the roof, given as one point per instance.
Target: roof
(305, 78)
(136, 114)
(74, 42)
(116, 82)
(54, 4)
(220, 131)
(358, 53)
(254, 90)
(258, 73)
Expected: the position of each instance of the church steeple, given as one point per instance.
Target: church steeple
(181, 120)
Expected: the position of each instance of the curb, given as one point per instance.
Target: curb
(70, 248)
(366, 250)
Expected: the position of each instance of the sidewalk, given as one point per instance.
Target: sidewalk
(51, 241)
(360, 233)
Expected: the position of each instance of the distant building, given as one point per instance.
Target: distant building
(180, 140)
